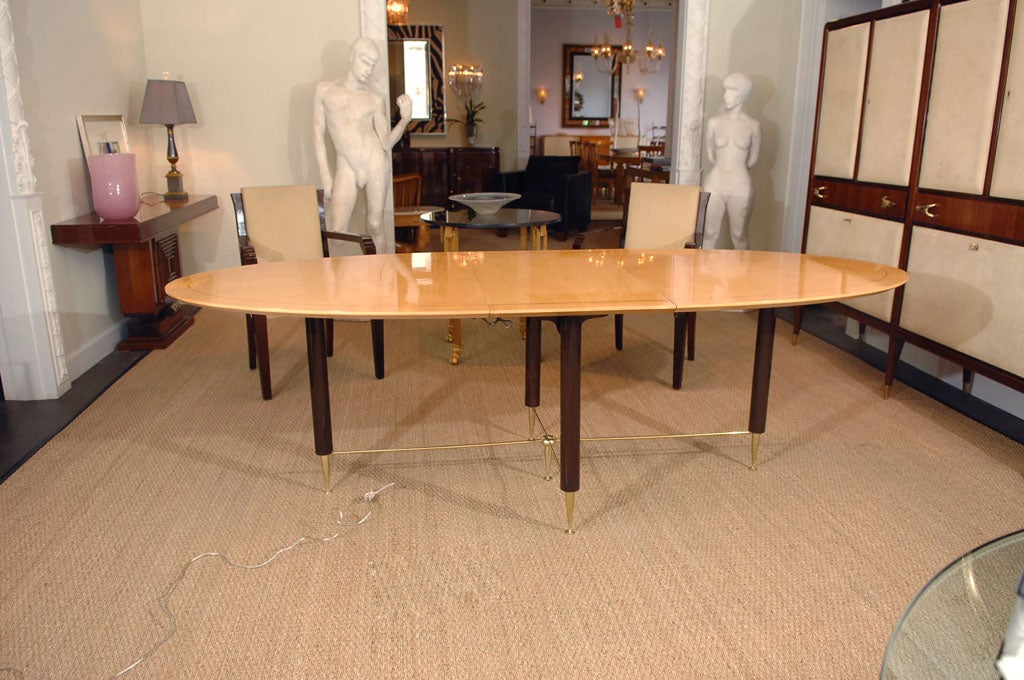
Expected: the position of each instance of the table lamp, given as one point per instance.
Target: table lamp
(166, 102)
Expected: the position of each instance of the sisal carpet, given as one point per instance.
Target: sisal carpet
(685, 564)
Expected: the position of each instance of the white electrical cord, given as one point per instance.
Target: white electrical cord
(169, 621)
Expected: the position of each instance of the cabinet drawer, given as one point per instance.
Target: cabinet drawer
(965, 293)
(887, 202)
(995, 219)
(842, 234)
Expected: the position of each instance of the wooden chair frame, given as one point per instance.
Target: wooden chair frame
(684, 333)
(256, 324)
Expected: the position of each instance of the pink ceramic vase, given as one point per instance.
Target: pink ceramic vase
(115, 186)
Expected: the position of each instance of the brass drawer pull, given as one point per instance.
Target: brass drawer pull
(973, 246)
(819, 192)
(887, 203)
(927, 210)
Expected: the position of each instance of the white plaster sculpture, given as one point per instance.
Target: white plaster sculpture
(356, 117)
(733, 142)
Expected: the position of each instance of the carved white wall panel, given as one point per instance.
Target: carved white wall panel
(688, 152)
(25, 178)
(965, 81)
(964, 292)
(841, 99)
(1008, 173)
(843, 234)
(31, 340)
(891, 104)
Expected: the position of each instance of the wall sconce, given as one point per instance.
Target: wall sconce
(167, 103)
(639, 94)
(577, 77)
(542, 94)
(398, 11)
(465, 79)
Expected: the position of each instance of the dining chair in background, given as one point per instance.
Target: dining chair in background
(279, 223)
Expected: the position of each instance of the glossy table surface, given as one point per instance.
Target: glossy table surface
(504, 218)
(956, 624)
(533, 283)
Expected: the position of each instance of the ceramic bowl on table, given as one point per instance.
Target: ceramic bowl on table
(485, 203)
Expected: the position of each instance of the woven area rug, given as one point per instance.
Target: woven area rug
(685, 564)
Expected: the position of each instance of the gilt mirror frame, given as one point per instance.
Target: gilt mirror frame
(432, 80)
(576, 110)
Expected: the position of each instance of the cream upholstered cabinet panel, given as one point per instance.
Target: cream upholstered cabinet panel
(891, 102)
(965, 83)
(1008, 173)
(965, 293)
(841, 97)
(843, 234)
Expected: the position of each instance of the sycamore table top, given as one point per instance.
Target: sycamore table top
(533, 283)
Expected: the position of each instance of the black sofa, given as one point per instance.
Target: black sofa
(553, 183)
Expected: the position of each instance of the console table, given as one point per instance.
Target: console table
(146, 258)
(565, 287)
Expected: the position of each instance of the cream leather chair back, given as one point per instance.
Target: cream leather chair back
(559, 145)
(283, 223)
(661, 215)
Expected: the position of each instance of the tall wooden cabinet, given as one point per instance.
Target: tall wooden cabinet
(917, 163)
(449, 171)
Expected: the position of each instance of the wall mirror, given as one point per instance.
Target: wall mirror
(103, 134)
(589, 97)
(416, 68)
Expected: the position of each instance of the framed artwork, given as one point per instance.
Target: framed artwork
(103, 134)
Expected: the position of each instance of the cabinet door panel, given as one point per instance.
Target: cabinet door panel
(964, 292)
(1008, 173)
(842, 94)
(968, 59)
(893, 93)
(842, 234)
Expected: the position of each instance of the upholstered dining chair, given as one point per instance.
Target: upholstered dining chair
(665, 216)
(407, 190)
(277, 223)
(602, 177)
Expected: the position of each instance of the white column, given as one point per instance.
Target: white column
(692, 62)
(32, 361)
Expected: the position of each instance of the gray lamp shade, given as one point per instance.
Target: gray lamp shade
(166, 102)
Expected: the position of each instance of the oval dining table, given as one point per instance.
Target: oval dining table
(564, 287)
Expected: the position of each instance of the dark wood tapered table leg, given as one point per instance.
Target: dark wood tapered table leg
(571, 330)
(319, 395)
(532, 397)
(762, 377)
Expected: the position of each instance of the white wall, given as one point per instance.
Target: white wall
(78, 58)
(553, 27)
(251, 69)
(483, 34)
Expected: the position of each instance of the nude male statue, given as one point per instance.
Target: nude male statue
(356, 116)
(733, 142)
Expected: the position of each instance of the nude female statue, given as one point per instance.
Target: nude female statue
(356, 117)
(733, 141)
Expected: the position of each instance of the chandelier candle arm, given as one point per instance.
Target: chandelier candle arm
(610, 59)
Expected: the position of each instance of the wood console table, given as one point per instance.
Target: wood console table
(146, 258)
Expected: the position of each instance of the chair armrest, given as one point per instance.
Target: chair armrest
(246, 253)
(364, 241)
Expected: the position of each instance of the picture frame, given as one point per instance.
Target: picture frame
(102, 134)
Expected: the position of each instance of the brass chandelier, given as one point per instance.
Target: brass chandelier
(610, 60)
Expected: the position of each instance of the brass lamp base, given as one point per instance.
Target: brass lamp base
(175, 187)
